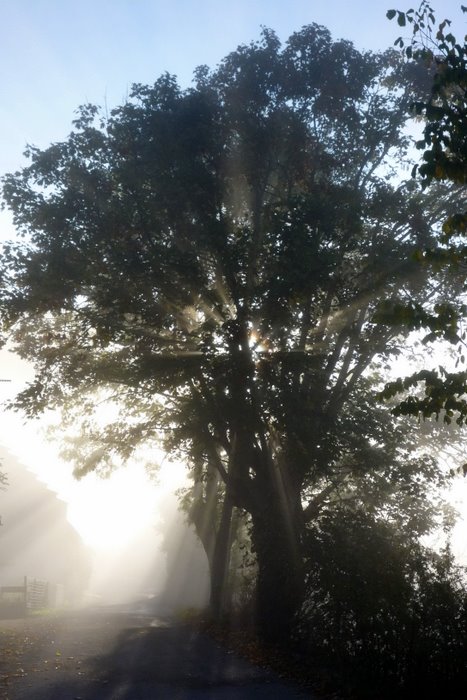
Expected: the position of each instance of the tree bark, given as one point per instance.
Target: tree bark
(203, 517)
(221, 559)
(276, 534)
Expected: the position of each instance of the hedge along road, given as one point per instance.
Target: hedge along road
(116, 655)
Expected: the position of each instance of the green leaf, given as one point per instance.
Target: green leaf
(401, 21)
(390, 14)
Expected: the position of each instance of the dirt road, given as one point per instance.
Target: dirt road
(116, 655)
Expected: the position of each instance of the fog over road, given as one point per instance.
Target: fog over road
(110, 654)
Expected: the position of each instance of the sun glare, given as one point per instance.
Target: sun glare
(110, 513)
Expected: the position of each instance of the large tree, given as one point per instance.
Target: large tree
(212, 258)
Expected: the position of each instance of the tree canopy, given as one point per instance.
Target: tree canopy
(211, 258)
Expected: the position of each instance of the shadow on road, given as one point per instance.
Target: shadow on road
(147, 659)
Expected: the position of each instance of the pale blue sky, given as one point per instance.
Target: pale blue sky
(57, 54)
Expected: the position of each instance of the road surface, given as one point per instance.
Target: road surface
(105, 654)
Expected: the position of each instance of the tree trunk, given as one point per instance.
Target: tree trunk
(221, 558)
(203, 513)
(280, 584)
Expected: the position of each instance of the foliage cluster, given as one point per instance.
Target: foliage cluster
(444, 158)
(384, 615)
